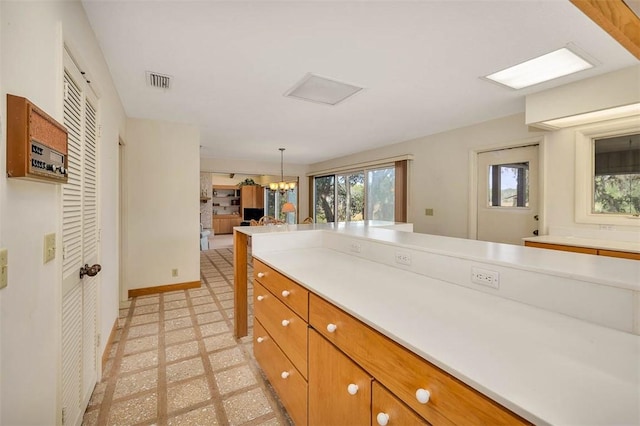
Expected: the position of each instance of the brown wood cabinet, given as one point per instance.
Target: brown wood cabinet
(312, 369)
(223, 224)
(251, 196)
(339, 390)
(586, 250)
(280, 337)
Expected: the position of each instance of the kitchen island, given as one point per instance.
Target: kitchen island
(566, 357)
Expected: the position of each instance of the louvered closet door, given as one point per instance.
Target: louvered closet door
(79, 237)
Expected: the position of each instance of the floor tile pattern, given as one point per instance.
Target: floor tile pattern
(175, 361)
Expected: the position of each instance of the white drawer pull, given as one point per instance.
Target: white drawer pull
(382, 419)
(260, 274)
(285, 323)
(285, 293)
(284, 374)
(352, 389)
(260, 298)
(423, 395)
(331, 328)
(260, 339)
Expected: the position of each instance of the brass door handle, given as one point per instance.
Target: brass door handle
(92, 271)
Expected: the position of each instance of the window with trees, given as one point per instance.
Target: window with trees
(355, 196)
(617, 175)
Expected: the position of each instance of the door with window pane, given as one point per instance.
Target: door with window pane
(79, 247)
(508, 194)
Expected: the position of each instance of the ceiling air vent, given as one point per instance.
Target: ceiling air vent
(315, 88)
(158, 80)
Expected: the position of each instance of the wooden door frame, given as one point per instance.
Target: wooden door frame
(472, 216)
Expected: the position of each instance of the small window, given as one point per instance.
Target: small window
(509, 185)
(616, 185)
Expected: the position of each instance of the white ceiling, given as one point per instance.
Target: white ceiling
(419, 62)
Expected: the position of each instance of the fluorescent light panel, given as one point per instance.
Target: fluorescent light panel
(556, 64)
(595, 116)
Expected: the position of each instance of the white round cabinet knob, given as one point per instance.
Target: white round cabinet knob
(260, 339)
(260, 274)
(285, 323)
(352, 389)
(285, 293)
(331, 328)
(423, 395)
(284, 374)
(382, 419)
(260, 298)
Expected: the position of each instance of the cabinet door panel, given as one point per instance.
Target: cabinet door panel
(385, 404)
(330, 374)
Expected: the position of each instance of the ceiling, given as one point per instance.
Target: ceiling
(420, 63)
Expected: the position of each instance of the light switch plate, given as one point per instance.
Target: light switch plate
(49, 247)
(4, 260)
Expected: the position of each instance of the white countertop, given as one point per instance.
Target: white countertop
(628, 246)
(547, 367)
(620, 273)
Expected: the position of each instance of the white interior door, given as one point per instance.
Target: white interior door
(79, 247)
(508, 194)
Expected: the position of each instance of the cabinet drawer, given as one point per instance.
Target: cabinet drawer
(388, 410)
(291, 387)
(403, 372)
(291, 294)
(287, 329)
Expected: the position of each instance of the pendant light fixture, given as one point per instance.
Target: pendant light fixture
(282, 186)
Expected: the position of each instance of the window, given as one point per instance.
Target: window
(381, 194)
(617, 175)
(350, 197)
(608, 173)
(508, 185)
(324, 194)
(274, 202)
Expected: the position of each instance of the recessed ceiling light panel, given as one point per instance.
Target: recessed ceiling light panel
(556, 64)
(315, 88)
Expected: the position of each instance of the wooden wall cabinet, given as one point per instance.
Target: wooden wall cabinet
(251, 196)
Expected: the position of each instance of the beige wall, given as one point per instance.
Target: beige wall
(439, 173)
(31, 37)
(162, 204)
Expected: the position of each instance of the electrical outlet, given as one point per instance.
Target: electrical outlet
(403, 258)
(485, 277)
(355, 247)
(174, 272)
(49, 247)
(428, 212)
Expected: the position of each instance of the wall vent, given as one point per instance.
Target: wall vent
(158, 80)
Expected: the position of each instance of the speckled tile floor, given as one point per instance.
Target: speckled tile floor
(175, 361)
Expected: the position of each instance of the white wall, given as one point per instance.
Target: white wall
(32, 35)
(162, 199)
(439, 172)
(226, 165)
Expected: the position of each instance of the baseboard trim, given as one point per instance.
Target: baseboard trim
(107, 348)
(137, 292)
